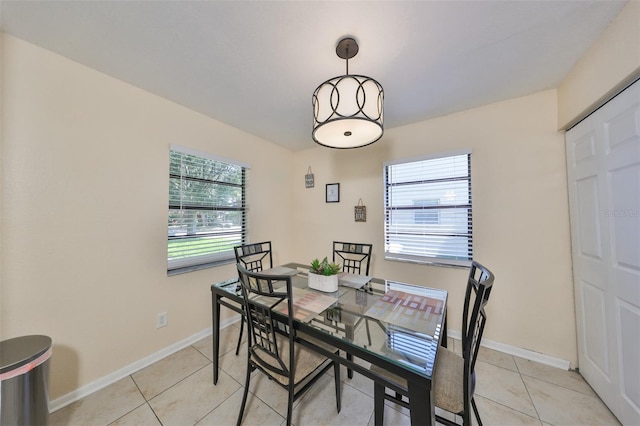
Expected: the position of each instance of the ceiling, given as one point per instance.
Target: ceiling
(255, 64)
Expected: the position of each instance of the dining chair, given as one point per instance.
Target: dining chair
(254, 257)
(277, 352)
(355, 257)
(454, 375)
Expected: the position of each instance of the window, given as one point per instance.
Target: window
(207, 209)
(428, 210)
(427, 215)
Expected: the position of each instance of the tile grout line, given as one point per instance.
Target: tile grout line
(519, 373)
(242, 385)
(146, 401)
(527, 389)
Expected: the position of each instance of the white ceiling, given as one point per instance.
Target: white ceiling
(255, 64)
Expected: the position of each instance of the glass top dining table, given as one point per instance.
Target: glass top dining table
(396, 326)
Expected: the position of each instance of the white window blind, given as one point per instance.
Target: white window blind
(207, 209)
(428, 215)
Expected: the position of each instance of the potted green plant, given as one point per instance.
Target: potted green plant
(323, 275)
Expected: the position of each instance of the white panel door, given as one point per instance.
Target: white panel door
(603, 164)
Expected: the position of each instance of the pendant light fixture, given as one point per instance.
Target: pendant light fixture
(347, 110)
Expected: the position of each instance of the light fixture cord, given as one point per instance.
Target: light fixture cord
(347, 58)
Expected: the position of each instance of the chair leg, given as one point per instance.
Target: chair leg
(378, 403)
(475, 411)
(336, 375)
(349, 371)
(244, 396)
(290, 403)
(366, 323)
(240, 336)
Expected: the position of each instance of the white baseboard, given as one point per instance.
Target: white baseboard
(109, 379)
(128, 370)
(520, 352)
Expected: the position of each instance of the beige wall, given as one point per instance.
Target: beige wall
(84, 193)
(520, 214)
(85, 159)
(610, 64)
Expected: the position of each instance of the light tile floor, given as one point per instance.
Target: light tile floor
(178, 390)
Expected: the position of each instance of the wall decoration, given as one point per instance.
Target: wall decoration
(332, 193)
(361, 212)
(308, 179)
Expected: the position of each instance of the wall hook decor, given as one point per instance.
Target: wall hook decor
(308, 179)
(361, 212)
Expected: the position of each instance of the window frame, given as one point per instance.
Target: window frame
(457, 261)
(196, 262)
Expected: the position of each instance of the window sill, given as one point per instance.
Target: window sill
(193, 268)
(431, 261)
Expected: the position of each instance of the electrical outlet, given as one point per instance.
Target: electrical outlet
(162, 320)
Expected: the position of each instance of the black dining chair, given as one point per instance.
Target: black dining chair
(354, 257)
(454, 375)
(254, 257)
(275, 347)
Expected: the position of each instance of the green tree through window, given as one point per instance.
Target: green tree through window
(206, 209)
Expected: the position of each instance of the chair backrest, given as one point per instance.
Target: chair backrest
(254, 257)
(474, 317)
(262, 294)
(354, 257)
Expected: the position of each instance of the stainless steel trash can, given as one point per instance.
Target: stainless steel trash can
(24, 379)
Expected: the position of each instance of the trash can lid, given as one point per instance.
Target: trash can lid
(20, 351)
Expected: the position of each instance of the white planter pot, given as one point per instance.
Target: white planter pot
(326, 283)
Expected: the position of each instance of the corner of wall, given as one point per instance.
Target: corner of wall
(610, 65)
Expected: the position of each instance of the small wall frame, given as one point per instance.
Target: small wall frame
(332, 194)
(308, 179)
(360, 212)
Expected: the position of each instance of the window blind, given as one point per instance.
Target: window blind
(428, 210)
(207, 209)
